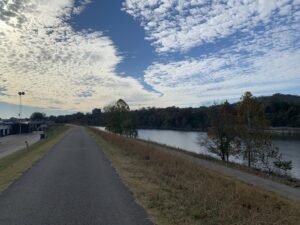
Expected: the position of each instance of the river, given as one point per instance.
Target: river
(289, 147)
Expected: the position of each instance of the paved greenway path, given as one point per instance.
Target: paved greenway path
(267, 184)
(74, 184)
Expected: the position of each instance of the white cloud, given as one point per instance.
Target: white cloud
(179, 25)
(260, 51)
(59, 67)
(55, 65)
(83, 3)
(196, 81)
(263, 63)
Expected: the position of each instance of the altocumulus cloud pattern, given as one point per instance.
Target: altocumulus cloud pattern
(204, 51)
(255, 46)
(57, 67)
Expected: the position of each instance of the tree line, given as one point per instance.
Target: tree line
(281, 110)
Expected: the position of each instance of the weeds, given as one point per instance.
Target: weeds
(178, 192)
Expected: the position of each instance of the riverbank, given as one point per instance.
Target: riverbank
(177, 191)
(284, 179)
(14, 165)
(188, 142)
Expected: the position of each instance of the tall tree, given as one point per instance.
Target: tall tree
(96, 116)
(222, 131)
(252, 125)
(119, 119)
(38, 116)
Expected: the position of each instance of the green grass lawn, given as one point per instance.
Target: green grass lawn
(12, 166)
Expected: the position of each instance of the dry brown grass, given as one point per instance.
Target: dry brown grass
(177, 192)
(284, 179)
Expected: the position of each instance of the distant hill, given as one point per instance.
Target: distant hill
(289, 99)
(282, 110)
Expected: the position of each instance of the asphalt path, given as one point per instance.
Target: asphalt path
(12, 143)
(74, 184)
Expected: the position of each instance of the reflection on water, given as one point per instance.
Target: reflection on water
(188, 140)
(178, 139)
(289, 147)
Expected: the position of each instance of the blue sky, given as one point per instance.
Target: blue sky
(77, 55)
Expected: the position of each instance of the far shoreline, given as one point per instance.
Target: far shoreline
(276, 131)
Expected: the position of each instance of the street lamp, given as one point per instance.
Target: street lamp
(20, 93)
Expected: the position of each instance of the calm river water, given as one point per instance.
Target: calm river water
(188, 140)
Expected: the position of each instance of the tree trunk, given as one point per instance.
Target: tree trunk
(249, 158)
(223, 156)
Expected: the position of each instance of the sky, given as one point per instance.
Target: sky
(76, 55)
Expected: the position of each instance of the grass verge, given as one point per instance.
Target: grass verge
(175, 191)
(284, 179)
(12, 166)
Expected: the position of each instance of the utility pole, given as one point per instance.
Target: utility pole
(20, 109)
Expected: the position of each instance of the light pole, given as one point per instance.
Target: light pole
(20, 93)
